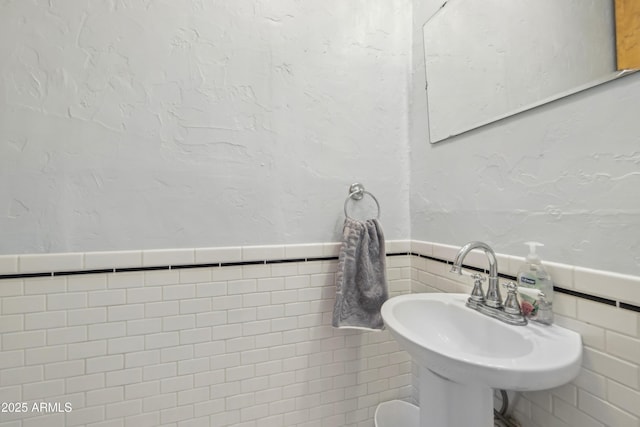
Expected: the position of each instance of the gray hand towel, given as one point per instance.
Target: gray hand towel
(361, 280)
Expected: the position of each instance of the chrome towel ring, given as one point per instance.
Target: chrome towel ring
(357, 192)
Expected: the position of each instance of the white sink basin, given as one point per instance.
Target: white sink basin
(467, 347)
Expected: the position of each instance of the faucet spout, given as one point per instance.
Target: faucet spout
(493, 297)
(462, 253)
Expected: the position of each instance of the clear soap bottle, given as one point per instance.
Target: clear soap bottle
(533, 275)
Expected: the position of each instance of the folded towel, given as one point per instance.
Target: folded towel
(361, 280)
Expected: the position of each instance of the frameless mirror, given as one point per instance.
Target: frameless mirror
(487, 60)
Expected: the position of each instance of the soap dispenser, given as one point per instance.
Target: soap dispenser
(533, 275)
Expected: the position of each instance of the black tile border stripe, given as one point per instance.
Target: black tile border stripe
(171, 267)
(73, 273)
(629, 307)
(590, 297)
(230, 264)
(449, 262)
(132, 269)
(24, 275)
(594, 298)
(322, 258)
(284, 261)
(186, 266)
(430, 257)
(508, 277)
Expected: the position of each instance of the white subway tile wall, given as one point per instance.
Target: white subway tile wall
(241, 345)
(252, 345)
(607, 390)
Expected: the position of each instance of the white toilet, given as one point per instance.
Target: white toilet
(397, 413)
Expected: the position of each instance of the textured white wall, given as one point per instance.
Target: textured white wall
(566, 174)
(132, 125)
(136, 124)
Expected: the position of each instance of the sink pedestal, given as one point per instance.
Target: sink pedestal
(444, 403)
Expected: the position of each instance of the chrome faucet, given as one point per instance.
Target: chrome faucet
(491, 302)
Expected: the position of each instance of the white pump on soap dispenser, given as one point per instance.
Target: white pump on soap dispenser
(533, 275)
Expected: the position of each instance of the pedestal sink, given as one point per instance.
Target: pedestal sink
(464, 354)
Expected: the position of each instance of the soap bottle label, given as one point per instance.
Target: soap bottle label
(524, 280)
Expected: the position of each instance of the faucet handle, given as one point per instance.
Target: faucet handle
(511, 303)
(477, 294)
(511, 287)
